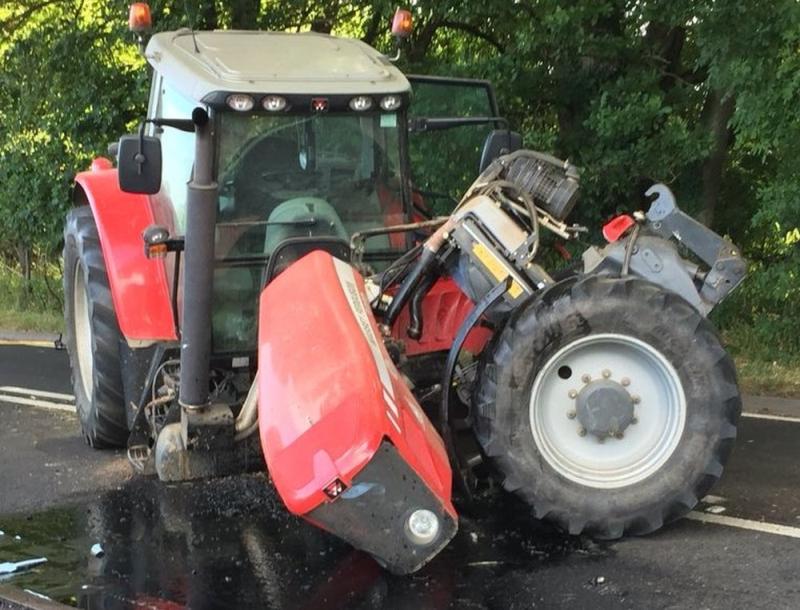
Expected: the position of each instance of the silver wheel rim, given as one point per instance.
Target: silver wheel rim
(83, 330)
(644, 447)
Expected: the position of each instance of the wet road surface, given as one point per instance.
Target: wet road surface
(228, 543)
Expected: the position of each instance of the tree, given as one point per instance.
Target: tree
(697, 94)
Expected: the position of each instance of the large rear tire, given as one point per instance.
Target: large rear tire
(92, 334)
(609, 405)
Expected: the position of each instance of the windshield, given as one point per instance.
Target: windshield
(326, 175)
(321, 175)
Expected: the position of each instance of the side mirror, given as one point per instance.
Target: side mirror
(139, 163)
(498, 143)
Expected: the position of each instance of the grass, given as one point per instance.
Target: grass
(762, 368)
(763, 378)
(33, 321)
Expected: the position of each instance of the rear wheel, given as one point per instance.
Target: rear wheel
(609, 405)
(92, 335)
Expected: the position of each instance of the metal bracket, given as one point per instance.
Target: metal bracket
(727, 267)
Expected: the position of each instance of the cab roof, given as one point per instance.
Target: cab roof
(202, 64)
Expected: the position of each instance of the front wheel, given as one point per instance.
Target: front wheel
(92, 334)
(609, 405)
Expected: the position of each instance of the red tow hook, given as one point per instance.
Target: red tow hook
(617, 227)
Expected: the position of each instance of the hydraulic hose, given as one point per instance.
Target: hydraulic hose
(247, 421)
(415, 306)
(421, 268)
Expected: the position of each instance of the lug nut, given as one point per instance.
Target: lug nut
(619, 435)
(625, 381)
(573, 394)
(582, 432)
(586, 378)
(636, 400)
(606, 373)
(635, 420)
(571, 414)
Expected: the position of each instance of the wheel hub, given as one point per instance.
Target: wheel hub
(604, 408)
(588, 417)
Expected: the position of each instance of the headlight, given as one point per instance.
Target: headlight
(240, 102)
(274, 103)
(391, 102)
(360, 103)
(423, 526)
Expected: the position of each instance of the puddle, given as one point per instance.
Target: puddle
(230, 543)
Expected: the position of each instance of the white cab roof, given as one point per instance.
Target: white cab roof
(271, 62)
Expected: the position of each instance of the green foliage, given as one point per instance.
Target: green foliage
(698, 94)
(35, 307)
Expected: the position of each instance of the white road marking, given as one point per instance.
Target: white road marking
(28, 343)
(11, 389)
(33, 402)
(771, 417)
(746, 524)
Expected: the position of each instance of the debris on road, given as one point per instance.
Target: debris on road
(97, 550)
(35, 594)
(11, 567)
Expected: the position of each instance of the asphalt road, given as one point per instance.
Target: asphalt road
(229, 542)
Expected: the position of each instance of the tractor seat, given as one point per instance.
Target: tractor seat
(286, 242)
(303, 217)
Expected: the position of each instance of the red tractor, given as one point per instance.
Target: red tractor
(259, 261)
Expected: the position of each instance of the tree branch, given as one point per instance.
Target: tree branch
(475, 31)
(16, 21)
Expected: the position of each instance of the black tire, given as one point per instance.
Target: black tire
(627, 306)
(100, 405)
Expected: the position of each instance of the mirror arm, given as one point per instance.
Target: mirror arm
(187, 125)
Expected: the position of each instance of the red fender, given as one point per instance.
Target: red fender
(139, 285)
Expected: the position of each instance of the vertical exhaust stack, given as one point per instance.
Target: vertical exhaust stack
(198, 270)
(202, 444)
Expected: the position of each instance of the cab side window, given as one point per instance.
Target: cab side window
(177, 150)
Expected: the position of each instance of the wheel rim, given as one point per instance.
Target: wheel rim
(83, 330)
(646, 408)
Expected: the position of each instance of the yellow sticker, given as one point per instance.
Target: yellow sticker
(495, 267)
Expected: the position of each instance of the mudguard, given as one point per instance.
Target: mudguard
(347, 446)
(139, 286)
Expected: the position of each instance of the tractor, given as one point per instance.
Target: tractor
(259, 279)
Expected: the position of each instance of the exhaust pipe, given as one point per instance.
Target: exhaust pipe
(198, 276)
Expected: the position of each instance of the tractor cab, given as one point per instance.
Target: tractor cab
(315, 149)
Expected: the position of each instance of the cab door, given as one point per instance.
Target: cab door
(449, 122)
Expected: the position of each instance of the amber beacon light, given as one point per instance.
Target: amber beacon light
(402, 23)
(139, 19)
